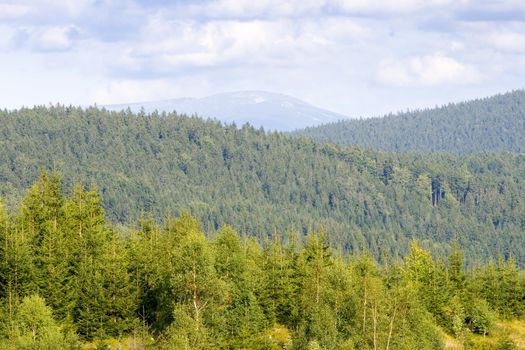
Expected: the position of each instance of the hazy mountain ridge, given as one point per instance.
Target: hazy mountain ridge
(271, 111)
(492, 124)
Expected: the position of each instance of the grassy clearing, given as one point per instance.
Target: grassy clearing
(505, 335)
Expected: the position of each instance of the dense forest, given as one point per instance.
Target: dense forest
(493, 124)
(262, 183)
(69, 278)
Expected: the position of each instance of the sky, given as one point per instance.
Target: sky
(360, 58)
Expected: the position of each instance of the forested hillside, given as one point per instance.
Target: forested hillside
(69, 278)
(493, 124)
(263, 183)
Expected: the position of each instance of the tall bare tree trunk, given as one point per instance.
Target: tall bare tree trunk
(391, 327)
(364, 311)
(374, 318)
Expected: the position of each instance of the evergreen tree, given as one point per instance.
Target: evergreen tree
(279, 290)
(33, 327)
(194, 279)
(41, 218)
(317, 322)
(243, 316)
(191, 292)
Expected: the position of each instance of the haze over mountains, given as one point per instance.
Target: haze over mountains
(492, 124)
(272, 111)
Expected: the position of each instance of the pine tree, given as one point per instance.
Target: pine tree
(279, 289)
(152, 262)
(119, 293)
(16, 267)
(41, 218)
(455, 268)
(243, 316)
(317, 321)
(428, 278)
(93, 265)
(193, 278)
(510, 290)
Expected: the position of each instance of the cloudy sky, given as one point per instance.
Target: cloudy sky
(356, 57)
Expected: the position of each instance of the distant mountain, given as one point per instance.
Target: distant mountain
(492, 124)
(258, 108)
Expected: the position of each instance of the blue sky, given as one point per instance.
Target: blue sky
(356, 57)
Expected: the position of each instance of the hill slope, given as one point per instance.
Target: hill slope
(265, 183)
(491, 124)
(258, 108)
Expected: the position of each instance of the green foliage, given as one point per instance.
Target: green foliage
(243, 316)
(491, 124)
(505, 343)
(259, 182)
(480, 318)
(16, 264)
(61, 248)
(33, 327)
(185, 332)
(502, 286)
(279, 283)
(184, 290)
(317, 321)
(42, 216)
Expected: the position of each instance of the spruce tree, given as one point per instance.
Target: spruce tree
(42, 218)
(243, 316)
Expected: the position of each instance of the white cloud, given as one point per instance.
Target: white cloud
(6, 34)
(337, 30)
(127, 90)
(52, 38)
(55, 38)
(72, 8)
(47, 8)
(11, 11)
(312, 8)
(456, 45)
(491, 9)
(250, 8)
(174, 45)
(167, 46)
(428, 70)
(322, 50)
(507, 40)
(387, 6)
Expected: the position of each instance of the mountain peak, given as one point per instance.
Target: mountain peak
(272, 111)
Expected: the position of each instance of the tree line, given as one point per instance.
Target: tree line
(68, 276)
(259, 183)
(492, 124)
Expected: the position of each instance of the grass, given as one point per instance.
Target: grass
(503, 331)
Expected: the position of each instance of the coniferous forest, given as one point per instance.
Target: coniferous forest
(69, 277)
(492, 124)
(260, 183)
(165, 231)
(262, 175)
